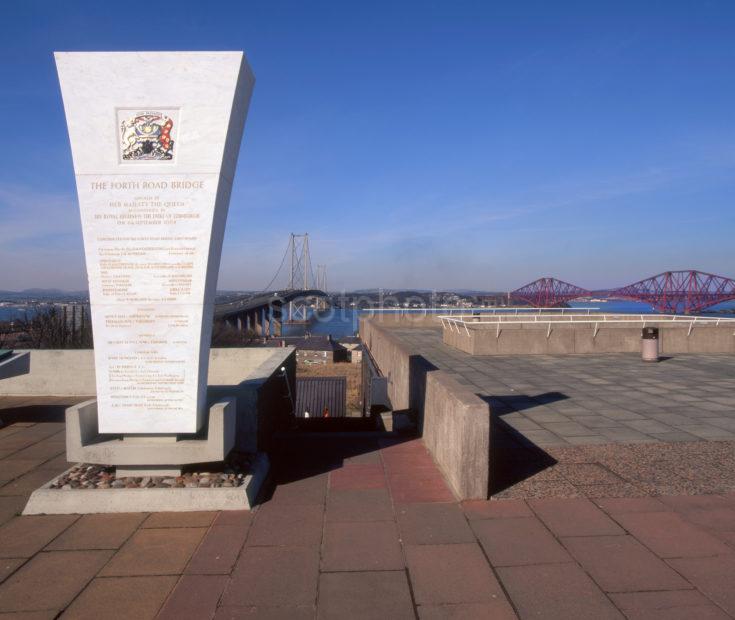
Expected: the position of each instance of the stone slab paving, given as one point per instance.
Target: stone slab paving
(599, 425)
(341, 533)
(562, 400)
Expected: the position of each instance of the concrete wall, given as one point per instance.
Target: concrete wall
(569, 339)
(54, 373)
(254, 376)
(457, 433)
(453, 421)
(70, 372)
(251, 374)
(701, 340)
(397, 362)
(394, 319)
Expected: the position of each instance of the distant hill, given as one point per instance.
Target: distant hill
(390, 291)
(476, 293)
(49, 292)
(423, 291)
(45, 294)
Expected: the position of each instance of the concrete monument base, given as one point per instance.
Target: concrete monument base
(149, 455)
(85, 501)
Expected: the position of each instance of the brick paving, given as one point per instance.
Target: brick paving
(343, 533)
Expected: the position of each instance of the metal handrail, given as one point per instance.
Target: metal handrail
(454, 322)
(525, 310)
(610, 317)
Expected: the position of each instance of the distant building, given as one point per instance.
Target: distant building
(75, 314)
(353, 344)
(314, 349)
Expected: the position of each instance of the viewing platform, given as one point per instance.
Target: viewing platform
(566, 425)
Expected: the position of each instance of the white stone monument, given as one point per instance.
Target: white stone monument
(155, 138)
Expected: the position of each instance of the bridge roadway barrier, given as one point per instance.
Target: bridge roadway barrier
(454, 423)
(510, 338)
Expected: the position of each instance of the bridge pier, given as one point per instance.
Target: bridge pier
(276, 320)
(263, 314)
(256, 321)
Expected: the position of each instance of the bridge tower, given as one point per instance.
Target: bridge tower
(299, 277)
(321, 284)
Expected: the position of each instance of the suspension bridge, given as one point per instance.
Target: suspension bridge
(669, 292)
(294, 288)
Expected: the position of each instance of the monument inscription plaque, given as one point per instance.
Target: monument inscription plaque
(155, 138)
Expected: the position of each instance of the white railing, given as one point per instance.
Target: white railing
(510, 310)
(456, 323)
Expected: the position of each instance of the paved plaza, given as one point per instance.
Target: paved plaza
(361, 528)
(563, 400)
(599, 425)
(609, 500)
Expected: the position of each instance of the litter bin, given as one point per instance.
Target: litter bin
(649, 344)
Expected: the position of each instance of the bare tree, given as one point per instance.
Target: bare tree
(51, 329)
(5, 335)
(224, 335)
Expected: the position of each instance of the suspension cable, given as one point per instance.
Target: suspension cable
(283, 261)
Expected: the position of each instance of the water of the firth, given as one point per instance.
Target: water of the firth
(342, 322)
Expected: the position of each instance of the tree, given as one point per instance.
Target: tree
(55, 329)
(225, 335)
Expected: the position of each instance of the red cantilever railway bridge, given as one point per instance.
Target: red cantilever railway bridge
(671, 291)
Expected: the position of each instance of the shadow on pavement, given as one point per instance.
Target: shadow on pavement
(298, 456)
(513, 457)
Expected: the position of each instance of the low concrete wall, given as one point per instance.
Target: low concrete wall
(252, 375)
(453, 421)
(701, 340)
(457, 433)
(578, 339)
(54, 373)
(70, 372)
(394, 319)
(404, 367)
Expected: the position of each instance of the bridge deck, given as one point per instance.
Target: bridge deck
(263, 300)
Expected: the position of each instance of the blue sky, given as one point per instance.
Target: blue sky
(427, 144)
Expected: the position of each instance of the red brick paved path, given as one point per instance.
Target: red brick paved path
(362, 529)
